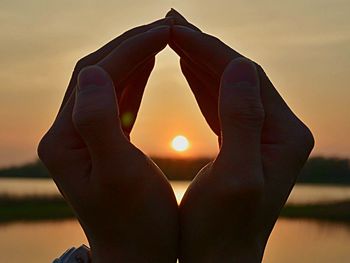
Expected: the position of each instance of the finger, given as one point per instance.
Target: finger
(180, 19)
(62, 144)
(102, 52)
(211, 52)
(64, 130)
(132, 53)
(203, 49)
(241, 115)
(203, 83)
(280, 119)
(274, 103)
(207, 102)
(95, 113)
(194, 64)
(63, 126)
(131, 98)
(209, 84)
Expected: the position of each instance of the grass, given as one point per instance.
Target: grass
(33, 209)
(37, 208)
(337, 212)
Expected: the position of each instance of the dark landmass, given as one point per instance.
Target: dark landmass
(318, 170)
(30, 170)
(55, 208)
(337, 211)
(33, 209)
(175, 169)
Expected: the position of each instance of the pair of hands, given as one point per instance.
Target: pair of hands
(124, 202)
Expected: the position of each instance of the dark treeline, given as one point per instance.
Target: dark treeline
(326, 171)
(30, 170)
(318, 170)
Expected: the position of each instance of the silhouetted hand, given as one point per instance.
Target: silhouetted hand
(122, 200)
(230, 208)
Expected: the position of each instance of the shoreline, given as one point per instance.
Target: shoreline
(40, 208)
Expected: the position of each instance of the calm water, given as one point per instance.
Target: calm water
(300, 194)
(292, 241)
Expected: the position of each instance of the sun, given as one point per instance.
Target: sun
(180, 143)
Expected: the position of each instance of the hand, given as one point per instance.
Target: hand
(230, 208)
(124, 203)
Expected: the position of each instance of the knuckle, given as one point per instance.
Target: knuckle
(242, 183)
(251, 114)
(242, 103)
(243, 189)
(308, 138)
(46, 149)
(305, 138)
(51, 151)
(301, 143)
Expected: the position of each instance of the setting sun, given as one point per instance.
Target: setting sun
(180, 143)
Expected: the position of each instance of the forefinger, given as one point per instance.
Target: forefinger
(102, 52)
(203, 49)
(136, 50)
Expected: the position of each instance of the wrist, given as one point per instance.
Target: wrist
(252, 253)
(104, 254)
(224, 253)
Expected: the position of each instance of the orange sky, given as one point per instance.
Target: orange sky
(304, 47)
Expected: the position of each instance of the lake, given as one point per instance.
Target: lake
(292, 241)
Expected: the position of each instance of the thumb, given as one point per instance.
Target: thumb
(95, 113)
(241, 111)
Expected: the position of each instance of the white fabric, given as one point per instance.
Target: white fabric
(75, 255)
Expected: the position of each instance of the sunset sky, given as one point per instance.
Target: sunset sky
(304, 47)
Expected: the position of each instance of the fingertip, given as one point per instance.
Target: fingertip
(95, 97)
(170, 13)
(92, 76)
(134, 51)
(184, 36)
(175, 14)
(240, 102)
(180, 19)
(240, 70)
(95, 113)
(162, 33)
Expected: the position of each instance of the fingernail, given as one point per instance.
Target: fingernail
(159, 28)
(241, 70)
(92, 76)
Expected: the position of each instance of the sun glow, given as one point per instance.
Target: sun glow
(180, 143)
